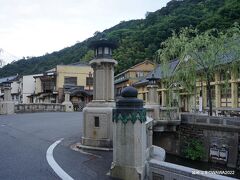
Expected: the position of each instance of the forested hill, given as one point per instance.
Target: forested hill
(139, 39)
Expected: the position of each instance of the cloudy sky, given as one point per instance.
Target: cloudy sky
(37, 27)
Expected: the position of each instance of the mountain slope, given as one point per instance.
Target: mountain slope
(139, 39)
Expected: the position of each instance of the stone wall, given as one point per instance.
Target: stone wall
(39, 107)
(218, 135)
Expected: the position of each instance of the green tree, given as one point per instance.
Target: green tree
(88, 56)
(200, 53)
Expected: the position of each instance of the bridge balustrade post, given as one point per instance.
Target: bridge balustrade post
(129, 137)
(7, 105)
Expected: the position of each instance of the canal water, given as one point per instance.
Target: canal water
(204, 166)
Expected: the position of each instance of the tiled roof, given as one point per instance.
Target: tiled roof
(9, 78)
(158, 72)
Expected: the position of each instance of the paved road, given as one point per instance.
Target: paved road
(25, 138)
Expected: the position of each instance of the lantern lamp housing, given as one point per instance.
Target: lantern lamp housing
(103, 48)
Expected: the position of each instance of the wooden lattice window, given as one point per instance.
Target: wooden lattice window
(226, 95)
(48, 85)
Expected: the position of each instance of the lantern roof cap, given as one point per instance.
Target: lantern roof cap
(102, 42)
(153, 78)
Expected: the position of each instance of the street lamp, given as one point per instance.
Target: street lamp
(152, 80)
(103, 48)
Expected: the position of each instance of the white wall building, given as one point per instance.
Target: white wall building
(28, 87)
(16, 91)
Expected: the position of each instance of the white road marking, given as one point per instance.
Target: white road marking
(54, 165)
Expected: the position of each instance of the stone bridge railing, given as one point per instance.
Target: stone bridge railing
(164, 170)
(39, 107)
(163, 113)
(169, 113)
(211, 121)
(165, 118)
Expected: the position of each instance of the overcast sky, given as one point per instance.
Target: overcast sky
(37, 27)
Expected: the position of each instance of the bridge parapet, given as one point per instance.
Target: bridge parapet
(164, 170)
(165, 118)
(232, 123)
(39, 107)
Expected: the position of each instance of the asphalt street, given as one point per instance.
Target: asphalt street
(25, 138)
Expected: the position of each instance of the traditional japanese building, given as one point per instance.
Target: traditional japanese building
(132, 75)
(76, 78)
(225, 90)
(141, 85)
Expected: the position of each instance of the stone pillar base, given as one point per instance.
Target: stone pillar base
(7, 107)
(127, 172)
(107, 143)
(97, 125)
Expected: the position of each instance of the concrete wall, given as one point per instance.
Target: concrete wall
(28, 87)
(38, 86)
(15, 87)
(15, 91)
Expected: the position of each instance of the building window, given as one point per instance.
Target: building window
(144, 96)
(226, 95)
(225, 75)
(96, 121)
(139, 74)
(89, 81)
(106, 50)
(96, 52)
(160, 97)
(70, 81)
(48, 85)
(100, 50)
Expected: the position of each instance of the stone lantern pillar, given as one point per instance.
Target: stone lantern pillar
(97, 115)
(152, 104)
(68, 104)
(7, 105)
(129, 137)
